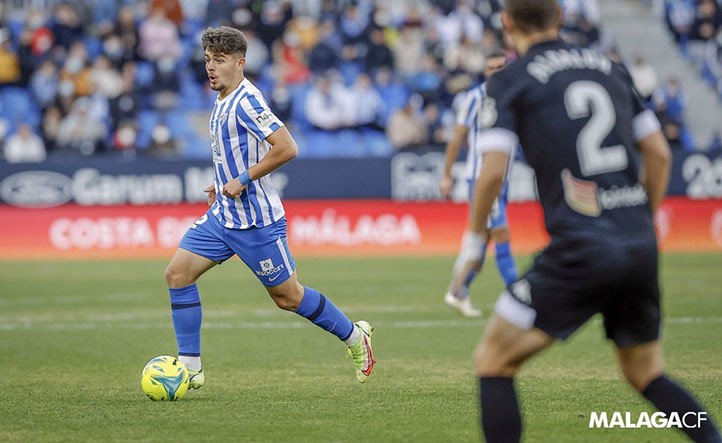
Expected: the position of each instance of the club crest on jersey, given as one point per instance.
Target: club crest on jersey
(222, 118)
(488, 113)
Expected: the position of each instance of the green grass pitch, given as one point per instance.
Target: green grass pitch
(74, 337)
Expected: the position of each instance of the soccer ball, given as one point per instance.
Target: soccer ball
(164, 378)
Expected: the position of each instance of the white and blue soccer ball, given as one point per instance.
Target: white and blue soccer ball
(164, 378)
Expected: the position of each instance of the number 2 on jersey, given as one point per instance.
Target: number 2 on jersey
(589, 99)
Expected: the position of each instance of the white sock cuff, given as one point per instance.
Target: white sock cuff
(192, 363)
(353, 338)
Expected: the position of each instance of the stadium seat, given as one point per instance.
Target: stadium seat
(147, 119)
(319, 144)
(18, 106)
(348, 143)
(349, 71)
(191, 95)
(144, 74)
(377, 144)
(94, 46)
(298, 105)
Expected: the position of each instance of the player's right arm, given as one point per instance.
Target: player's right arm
(211, 191)
(464, 119)
(452, 152)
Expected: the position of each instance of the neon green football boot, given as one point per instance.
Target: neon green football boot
(361, 352)
(196, 379)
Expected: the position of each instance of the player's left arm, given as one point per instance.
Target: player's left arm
(283, 149)
(656, 155)
(255, 115)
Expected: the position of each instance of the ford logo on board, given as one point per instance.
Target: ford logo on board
(36, 189)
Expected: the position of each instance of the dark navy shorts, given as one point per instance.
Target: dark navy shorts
(264, 250)
(572, 280)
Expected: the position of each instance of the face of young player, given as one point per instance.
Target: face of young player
(225, 71)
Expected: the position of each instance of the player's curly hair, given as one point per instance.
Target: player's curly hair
(224, 40)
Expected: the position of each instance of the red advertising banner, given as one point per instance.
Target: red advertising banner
(327, 227)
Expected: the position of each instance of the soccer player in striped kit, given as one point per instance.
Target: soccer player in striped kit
(468, 126)
(246, 216)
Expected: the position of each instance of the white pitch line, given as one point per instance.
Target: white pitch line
(414, 324)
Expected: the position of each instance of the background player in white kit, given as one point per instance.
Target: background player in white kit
(467, 129)
(246, 216)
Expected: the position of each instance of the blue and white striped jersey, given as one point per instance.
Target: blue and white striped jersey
(239, 125)
(469, 116)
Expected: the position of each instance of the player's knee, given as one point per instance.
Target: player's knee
(639, 381)
(283, 301)
(490, 360)
(640, 378)
(500, 235)
(287, 295)
(175, 278)
(641, 364)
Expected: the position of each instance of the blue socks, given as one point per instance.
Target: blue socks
(187, 317)
(505, 263)
(324, 314)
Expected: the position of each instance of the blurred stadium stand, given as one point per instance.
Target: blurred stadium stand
(666, 34)
(141, 78)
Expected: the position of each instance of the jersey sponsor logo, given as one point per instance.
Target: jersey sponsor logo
(586, 198)
(216, 147)
(581, 195)
(267, 268)
(622, 197)
(265, 119)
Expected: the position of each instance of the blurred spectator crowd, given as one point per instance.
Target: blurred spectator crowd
(351, 78)
(696, 26)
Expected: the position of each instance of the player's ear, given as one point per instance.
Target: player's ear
(507, 22)
(560, 16)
